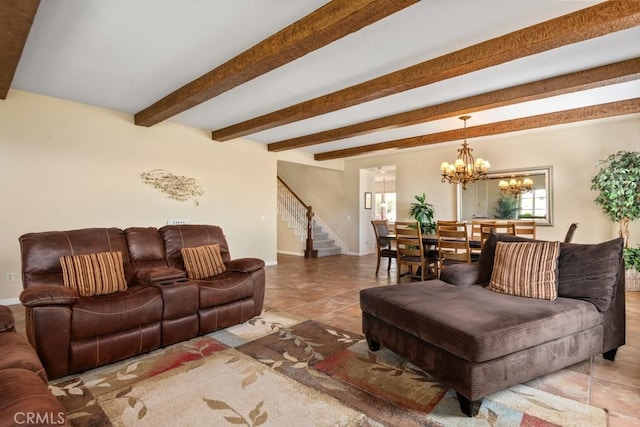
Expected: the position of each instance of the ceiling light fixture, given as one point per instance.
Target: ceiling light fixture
(515, 186)
(464, 170)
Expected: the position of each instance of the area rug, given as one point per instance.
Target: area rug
(284, 370)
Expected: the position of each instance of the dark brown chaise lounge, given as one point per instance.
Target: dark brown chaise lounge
(479, 341)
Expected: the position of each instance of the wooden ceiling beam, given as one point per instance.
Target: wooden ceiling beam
(329, 23)
(601, 19)
(618, 72)
(16, 18)
(617, 108)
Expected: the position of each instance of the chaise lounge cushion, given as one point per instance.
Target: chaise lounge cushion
(481, 326)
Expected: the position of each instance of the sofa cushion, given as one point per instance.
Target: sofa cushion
(590, 272)
(131, 309)
(94, 274)
(473, 322)
(25, 399)
(177, 237)
(226, 288)
(203, 262)
(16, 352)
(526, 269)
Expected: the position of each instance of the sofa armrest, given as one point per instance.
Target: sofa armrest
(462, 274)
(245, 265)
(41, 296)
(7, 322)
(160, 275)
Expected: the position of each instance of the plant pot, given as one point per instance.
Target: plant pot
(632, 280)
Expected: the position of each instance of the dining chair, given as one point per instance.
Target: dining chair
(383, 243)
(412, 253)
(524, 227)
(570, 232)
(497, 227)
(476, 226)
(453, 243)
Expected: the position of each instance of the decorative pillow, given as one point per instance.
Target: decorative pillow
(94, 274)
(526, 269)
(488, 254)
(203, 262)
(590, 271)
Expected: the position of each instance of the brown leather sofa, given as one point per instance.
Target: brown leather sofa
(161, 305)
(479, 341)
(24, 395)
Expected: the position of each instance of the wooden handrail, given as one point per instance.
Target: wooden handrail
(309, 252)
(292, 192)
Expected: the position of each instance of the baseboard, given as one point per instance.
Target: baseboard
(10, 301)
(291, 253)
(270, 263)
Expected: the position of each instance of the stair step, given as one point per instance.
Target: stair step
(317, 244)
(322, 252)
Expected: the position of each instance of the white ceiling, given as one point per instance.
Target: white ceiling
(124, 55)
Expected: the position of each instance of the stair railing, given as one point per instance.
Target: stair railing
(299, 214)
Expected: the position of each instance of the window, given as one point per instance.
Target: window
(533, 204)
(388, 211)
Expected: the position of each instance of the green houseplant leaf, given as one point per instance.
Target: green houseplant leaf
(618, 187)
(423, 212)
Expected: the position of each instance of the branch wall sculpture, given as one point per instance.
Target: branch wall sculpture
(181, 188)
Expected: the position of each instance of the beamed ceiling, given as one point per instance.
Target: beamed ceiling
(337, 78)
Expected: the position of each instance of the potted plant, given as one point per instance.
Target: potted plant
(632, 268)
(618, 184)
(422, 212)
(506, 207)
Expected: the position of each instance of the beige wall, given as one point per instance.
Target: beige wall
(573, 151)
(65, 165)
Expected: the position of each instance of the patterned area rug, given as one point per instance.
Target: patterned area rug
(283, 370)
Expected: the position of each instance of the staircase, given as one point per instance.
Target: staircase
(322, 243)
(295, 213)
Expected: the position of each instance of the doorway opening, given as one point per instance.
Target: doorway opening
(385, 193)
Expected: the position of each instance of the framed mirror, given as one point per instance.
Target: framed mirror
(499, 196)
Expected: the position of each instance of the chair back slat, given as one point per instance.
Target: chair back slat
(453, 242)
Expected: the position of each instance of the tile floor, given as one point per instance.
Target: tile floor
(327, 290)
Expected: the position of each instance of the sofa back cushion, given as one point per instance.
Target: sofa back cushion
(177, 237)
(41, 252)
(590, 272)
(146, 247)
(585, 271)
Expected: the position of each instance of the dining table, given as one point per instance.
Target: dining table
(432, 240)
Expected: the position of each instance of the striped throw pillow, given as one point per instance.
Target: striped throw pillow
(203, 262)
(526, 269)
(94, 274)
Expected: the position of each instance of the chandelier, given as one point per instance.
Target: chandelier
(515, 186)
(464, 170)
